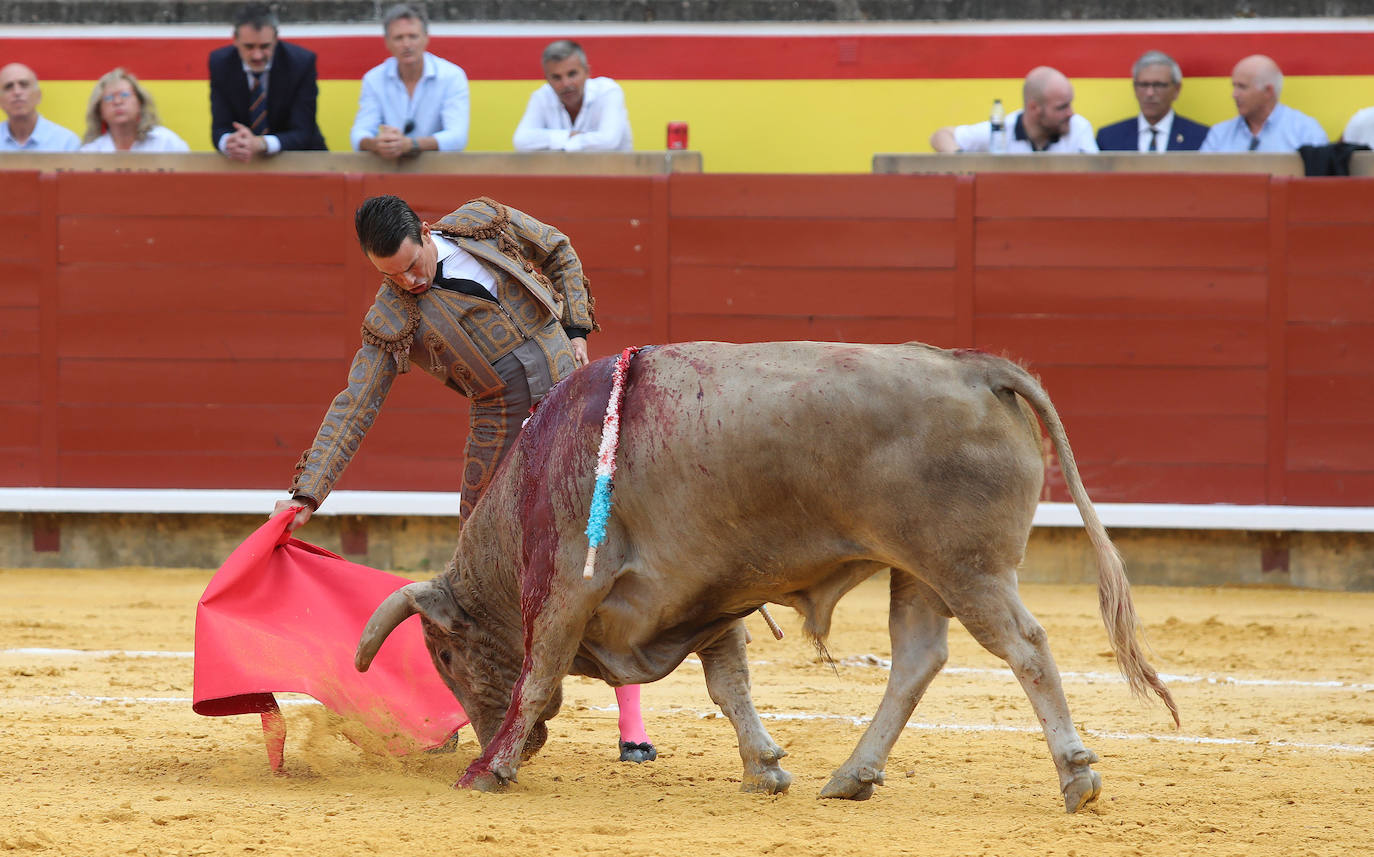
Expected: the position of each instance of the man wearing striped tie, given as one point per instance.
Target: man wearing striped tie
(262, 91)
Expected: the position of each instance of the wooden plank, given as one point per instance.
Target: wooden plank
(1331, 399)
(20, 285)
(1133, 196)
(1123, 291)
(21, 428)
(19, 235)
(1276, 464)
(1338, 446)
(875, 292)
(689, 327)
(187, 240)
(1173, 439)
(1330, 248)
(1323, 201)
(824, 197)
(20, 467)
(658, 288)
(1324, 488)
(198, 335)
(183, 428)
(1126, 341)
(18, 330)
(1318, 349)
(18, 195)
(213, 286)
(558, 202)
(19, 381)
(49, 322)
(1084, 243)
(1150, 391)
(157, 469)
(813, 243)
(113, 195)
(1331, 297)
(211, 382)
(1111, 482)
(965, 311)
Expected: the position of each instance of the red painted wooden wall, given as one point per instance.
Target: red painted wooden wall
(1206, 338)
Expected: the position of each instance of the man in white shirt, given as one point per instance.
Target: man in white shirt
(1360, 128)
(414, 102)
(572, 112)
(1046, 123)
(25, 130)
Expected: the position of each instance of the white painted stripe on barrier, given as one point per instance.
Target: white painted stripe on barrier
(797, 716)
(1178, 516)
(860, 661)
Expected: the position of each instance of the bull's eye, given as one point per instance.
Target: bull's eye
(446, 656)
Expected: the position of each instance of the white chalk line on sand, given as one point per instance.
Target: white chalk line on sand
(858, 661)
(780, 717)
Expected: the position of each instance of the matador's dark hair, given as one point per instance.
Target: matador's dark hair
(384, 223)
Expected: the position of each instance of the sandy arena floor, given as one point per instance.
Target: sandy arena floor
(103, 756)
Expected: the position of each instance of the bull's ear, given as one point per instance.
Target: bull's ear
(438, 605)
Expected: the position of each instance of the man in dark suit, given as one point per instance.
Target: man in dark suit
(262, 91)
(1158, 81)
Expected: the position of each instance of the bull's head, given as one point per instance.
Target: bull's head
(479, 666)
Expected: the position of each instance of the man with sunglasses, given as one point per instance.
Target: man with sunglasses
(263, 91)
(1157, 128)
(414, 102)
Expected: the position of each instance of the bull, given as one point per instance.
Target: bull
(748, 474)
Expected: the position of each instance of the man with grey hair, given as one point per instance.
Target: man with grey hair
(1157, 128)
(414, 102)
(573, 112)
(1262, 124)
(25, 130)
(1046, 123)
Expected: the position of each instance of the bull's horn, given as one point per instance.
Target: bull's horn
(397, 607)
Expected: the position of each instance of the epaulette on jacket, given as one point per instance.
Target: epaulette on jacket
(390, 325)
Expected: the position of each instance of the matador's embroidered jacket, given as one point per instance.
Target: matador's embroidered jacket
(454, 336)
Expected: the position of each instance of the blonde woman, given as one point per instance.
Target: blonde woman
(122, 117)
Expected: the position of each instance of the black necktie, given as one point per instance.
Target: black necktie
(257, 105)
(1154, 135)
(466, 286)
(1254, 143)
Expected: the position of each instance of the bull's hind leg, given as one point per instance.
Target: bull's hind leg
(727, 679)
(920, 648)
(993, 613)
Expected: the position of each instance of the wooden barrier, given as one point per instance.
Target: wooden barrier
(443, 163)
(1207, 338)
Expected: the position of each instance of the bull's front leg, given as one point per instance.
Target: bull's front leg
(727, 680)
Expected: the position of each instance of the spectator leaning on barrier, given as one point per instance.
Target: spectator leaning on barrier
(571, 111)
(1262, 123)
(25, 130)
(415, 101)
(122, 117)
(1046, 123)
(1157, 81)
(1360, 129)
(262, 91)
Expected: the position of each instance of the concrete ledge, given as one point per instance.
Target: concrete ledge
(1170, 545)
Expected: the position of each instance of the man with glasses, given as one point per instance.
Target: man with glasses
(25, 130)
(1262, 124)
(414, 102)
(1157, 128)
(262, 91)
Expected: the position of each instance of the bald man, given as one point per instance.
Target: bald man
(1046, 122)
(1262, 124)
(25, 130)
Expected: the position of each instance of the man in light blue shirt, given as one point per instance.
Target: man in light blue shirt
(25, 130)
(415, 101)
(1263, 124)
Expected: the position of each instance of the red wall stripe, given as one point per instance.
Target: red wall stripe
(697, 57)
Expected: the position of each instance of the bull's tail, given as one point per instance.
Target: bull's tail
(1113, 589)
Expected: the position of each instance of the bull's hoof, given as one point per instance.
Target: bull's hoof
(856, 786)
(637, 753)
(1084, 785)
(770, 782)
(496, 779)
